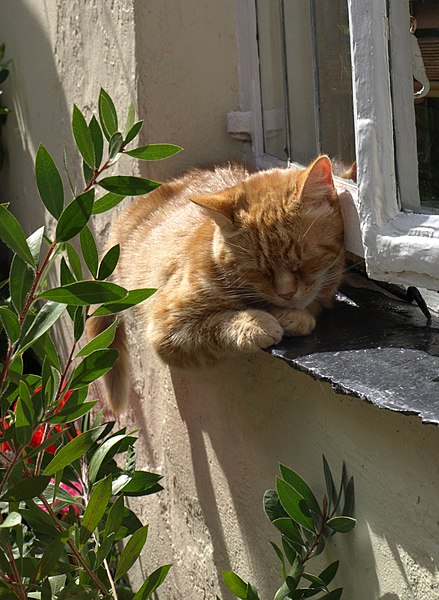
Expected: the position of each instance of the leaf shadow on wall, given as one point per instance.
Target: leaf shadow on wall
(243, 417)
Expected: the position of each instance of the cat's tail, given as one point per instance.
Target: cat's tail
(117, 380)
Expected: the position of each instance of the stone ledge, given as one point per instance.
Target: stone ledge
(376, 347)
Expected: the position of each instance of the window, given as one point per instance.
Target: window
(336, 76)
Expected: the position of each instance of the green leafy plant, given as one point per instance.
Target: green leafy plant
(305, 526)
(65, 474)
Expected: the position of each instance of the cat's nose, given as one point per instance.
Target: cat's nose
(288, 296)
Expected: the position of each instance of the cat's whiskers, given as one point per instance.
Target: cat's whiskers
(303, 236)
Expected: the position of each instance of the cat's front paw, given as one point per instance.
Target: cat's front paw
(256, 329)
(294, 321)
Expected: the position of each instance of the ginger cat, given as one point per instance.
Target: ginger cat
(238, 259)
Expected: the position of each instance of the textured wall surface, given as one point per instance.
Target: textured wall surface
(216, 434)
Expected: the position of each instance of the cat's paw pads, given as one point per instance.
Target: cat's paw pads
(295, 322)
(259, 330)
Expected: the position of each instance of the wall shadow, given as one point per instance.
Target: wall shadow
(249, 433)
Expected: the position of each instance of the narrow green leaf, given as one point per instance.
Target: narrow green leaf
(330, 486)
(78, 322)
(294, 575)
(38, 519)
(103, 340)
(133, 132)
(235, 584)
(294, 504)
(317, 581)
(140, 482)
(131, 552)
(106, 202)
(12, 520)
(130, 119)
(280, 555)
(96, 507)
(104, 549)
(21, 278)
(107, 114)
(10, 324)
(131, 299)
(83, 137)
(98, 140)
(13, 236)
(75, 216)
(28, 488)
(45, 348)
(73, 450)
(66, 278)
(74, 261)
(302, 487)
(272, 507)
(87, 172)
(114, 145)
(152, 583)
(101, 453)
(24, 417)
(282, 592)
(342, 524)
(34, 241)
(251, 592)
(115, 517)
(93, 366)
(67, 415)
(83, 293)
(51, 556)
(154, 151)
(328, 574)
(127, 185)
(349, 504)
(289, 529)
(89, 250)
(49, 182)
(44, 320)
(109, 262)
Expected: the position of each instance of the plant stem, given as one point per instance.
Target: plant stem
(318, 537)
(98, 583)
(15, 572)
(23, 314)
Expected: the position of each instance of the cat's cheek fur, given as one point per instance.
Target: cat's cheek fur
(294, 322)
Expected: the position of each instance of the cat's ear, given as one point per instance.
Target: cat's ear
(221, 206)
(317, 181)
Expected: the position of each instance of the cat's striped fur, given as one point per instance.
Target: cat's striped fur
(238, 260)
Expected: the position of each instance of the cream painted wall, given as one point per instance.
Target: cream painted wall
(217, 434)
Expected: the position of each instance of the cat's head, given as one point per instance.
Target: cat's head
(279, 235)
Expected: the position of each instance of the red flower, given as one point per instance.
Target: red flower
(37, 437)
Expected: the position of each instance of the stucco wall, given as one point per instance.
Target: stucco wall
(218, 434)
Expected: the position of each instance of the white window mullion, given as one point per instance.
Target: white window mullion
(372, 113)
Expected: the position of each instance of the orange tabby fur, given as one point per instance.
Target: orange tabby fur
(238, 259)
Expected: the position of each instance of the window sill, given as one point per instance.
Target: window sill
(376, 347)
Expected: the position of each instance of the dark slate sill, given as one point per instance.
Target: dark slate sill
(376, 347)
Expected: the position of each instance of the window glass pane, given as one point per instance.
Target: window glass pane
(305, 69)
(271, 73)
(334, 75)
(301, 82)
(427, 108)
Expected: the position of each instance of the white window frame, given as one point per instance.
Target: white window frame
(398, 246)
